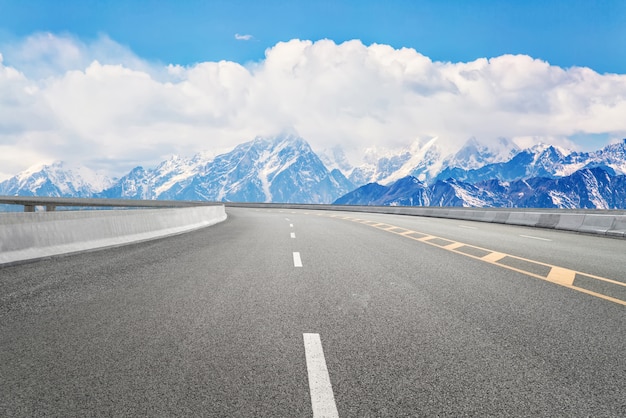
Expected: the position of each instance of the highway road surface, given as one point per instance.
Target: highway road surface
(285, 313)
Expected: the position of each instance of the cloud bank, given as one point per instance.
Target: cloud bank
(100, 105)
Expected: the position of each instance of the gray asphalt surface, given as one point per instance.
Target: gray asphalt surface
(210, 323)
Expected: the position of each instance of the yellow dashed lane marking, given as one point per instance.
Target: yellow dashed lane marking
(494, 257)
(557, 275)
(425, 239)
(562, 276)
(453, 246)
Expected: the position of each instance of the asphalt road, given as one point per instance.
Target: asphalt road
(212, 323)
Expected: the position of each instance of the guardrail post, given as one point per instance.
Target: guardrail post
(51, 208)
(29, 208)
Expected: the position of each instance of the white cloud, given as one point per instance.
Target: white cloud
(45, 54)
(243, 37)
(98, 104)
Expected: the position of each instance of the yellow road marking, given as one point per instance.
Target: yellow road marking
(424, 239)
(453, 246)
(494, 257)
(557, 275)
(562, 276)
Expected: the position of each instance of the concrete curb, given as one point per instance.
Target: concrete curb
(28, 236)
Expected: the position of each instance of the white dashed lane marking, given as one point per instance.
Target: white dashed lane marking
(538, 238)
(322, 397)
(297, 261)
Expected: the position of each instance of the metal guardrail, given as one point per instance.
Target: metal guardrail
(51, 203)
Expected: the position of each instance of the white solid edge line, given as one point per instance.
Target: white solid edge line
(322, 398)
(293, 235)
(297, 261)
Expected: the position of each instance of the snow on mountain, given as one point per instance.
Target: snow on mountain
(543, 161)
(424, 162)
(407, 191)
(455, 193)
(55, 180)
(474, 154)
(590, 188)
(612, 157)
(378, 164)
(425, 159)
(420, 159)
(285, 169)
(280, 169)
(154, 183)
(335, 158)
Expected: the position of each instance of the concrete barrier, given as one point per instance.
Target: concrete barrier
(27, 236)
(570, 221)
(597, 224)
(548, 220)
(523, 218)
(618, 228)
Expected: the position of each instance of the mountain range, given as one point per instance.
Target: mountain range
(283, 169)
(424, 159)
(286, 169)
(589, 188)
(56, 180)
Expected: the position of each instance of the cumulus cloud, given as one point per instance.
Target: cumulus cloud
(44, 55)
(99, 104)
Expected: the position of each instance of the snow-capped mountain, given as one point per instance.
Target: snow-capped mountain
(176, 172)
(474, 154)
(285, 169)
(376, 164)
(55, 180)
(543, 161)
(612, 157)
(282, 169)
(407, 191)
(590, 188)
(335, 158)
(424, 159)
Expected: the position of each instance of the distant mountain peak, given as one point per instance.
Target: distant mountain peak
(280, 168)
(57, 179)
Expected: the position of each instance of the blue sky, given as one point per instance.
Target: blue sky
(563, 32)
(116, 84)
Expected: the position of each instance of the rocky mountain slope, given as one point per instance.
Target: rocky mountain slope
(589, 188)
